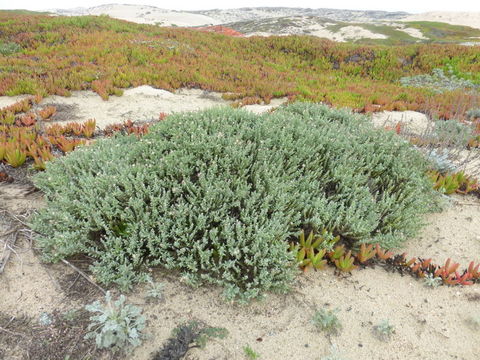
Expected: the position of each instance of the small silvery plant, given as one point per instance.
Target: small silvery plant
(327, 320)
(474, 322)
(384, 330)
(440, 161)
(432, 281)
(45, 319)
(155, 290)
(116, 325)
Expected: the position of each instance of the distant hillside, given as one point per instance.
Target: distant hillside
(369, 27)
(256, 13)
(471, 19)
(380, 32)
(45, 55)
(143, 14)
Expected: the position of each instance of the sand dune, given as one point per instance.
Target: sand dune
(471, 19)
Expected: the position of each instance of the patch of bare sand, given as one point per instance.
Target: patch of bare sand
(454, 233)
(412, 121)
(143, 103)
(425, 320)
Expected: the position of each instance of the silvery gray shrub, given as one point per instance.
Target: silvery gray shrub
(438, 81)
(452, 132)
(217, 194)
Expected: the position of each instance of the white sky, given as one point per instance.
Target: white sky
(412, 6)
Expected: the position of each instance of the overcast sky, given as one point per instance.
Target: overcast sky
(404, 5)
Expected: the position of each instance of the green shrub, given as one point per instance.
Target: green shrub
(217, 194)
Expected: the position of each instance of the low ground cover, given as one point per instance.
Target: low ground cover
(57, 55)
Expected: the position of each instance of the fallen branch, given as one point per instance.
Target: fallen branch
(85, 276)
(8, 250)
(12, 332)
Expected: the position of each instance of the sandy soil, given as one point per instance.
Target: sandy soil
(143, 103)
(413, 32)
(471, 19)
(412, 121)
(429, 323)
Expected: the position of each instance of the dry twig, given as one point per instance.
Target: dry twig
(85, 276)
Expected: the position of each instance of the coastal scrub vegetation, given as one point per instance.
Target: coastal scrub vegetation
(219, 194)
(56, 55)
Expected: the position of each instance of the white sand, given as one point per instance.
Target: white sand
(412, 121)
(357, 32)
(471, 19)
(413, 32)
(143, 103)
(345, 33)
(146, 15)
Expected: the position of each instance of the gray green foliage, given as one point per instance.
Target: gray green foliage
(327, 320)
(440, 161)
(438, 81)
(452, 132)
(9, 48)
(155, 290)
(217, 195)
(384, 330)
(433, 281)
(117, 325)
(45, 319)
(473, 113)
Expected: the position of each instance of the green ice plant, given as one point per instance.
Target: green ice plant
(116, 325)
(218, 194)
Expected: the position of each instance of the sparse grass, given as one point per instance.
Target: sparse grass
(250, 353)
(443, 32)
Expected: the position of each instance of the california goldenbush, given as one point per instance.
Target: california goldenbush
(217, 195)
